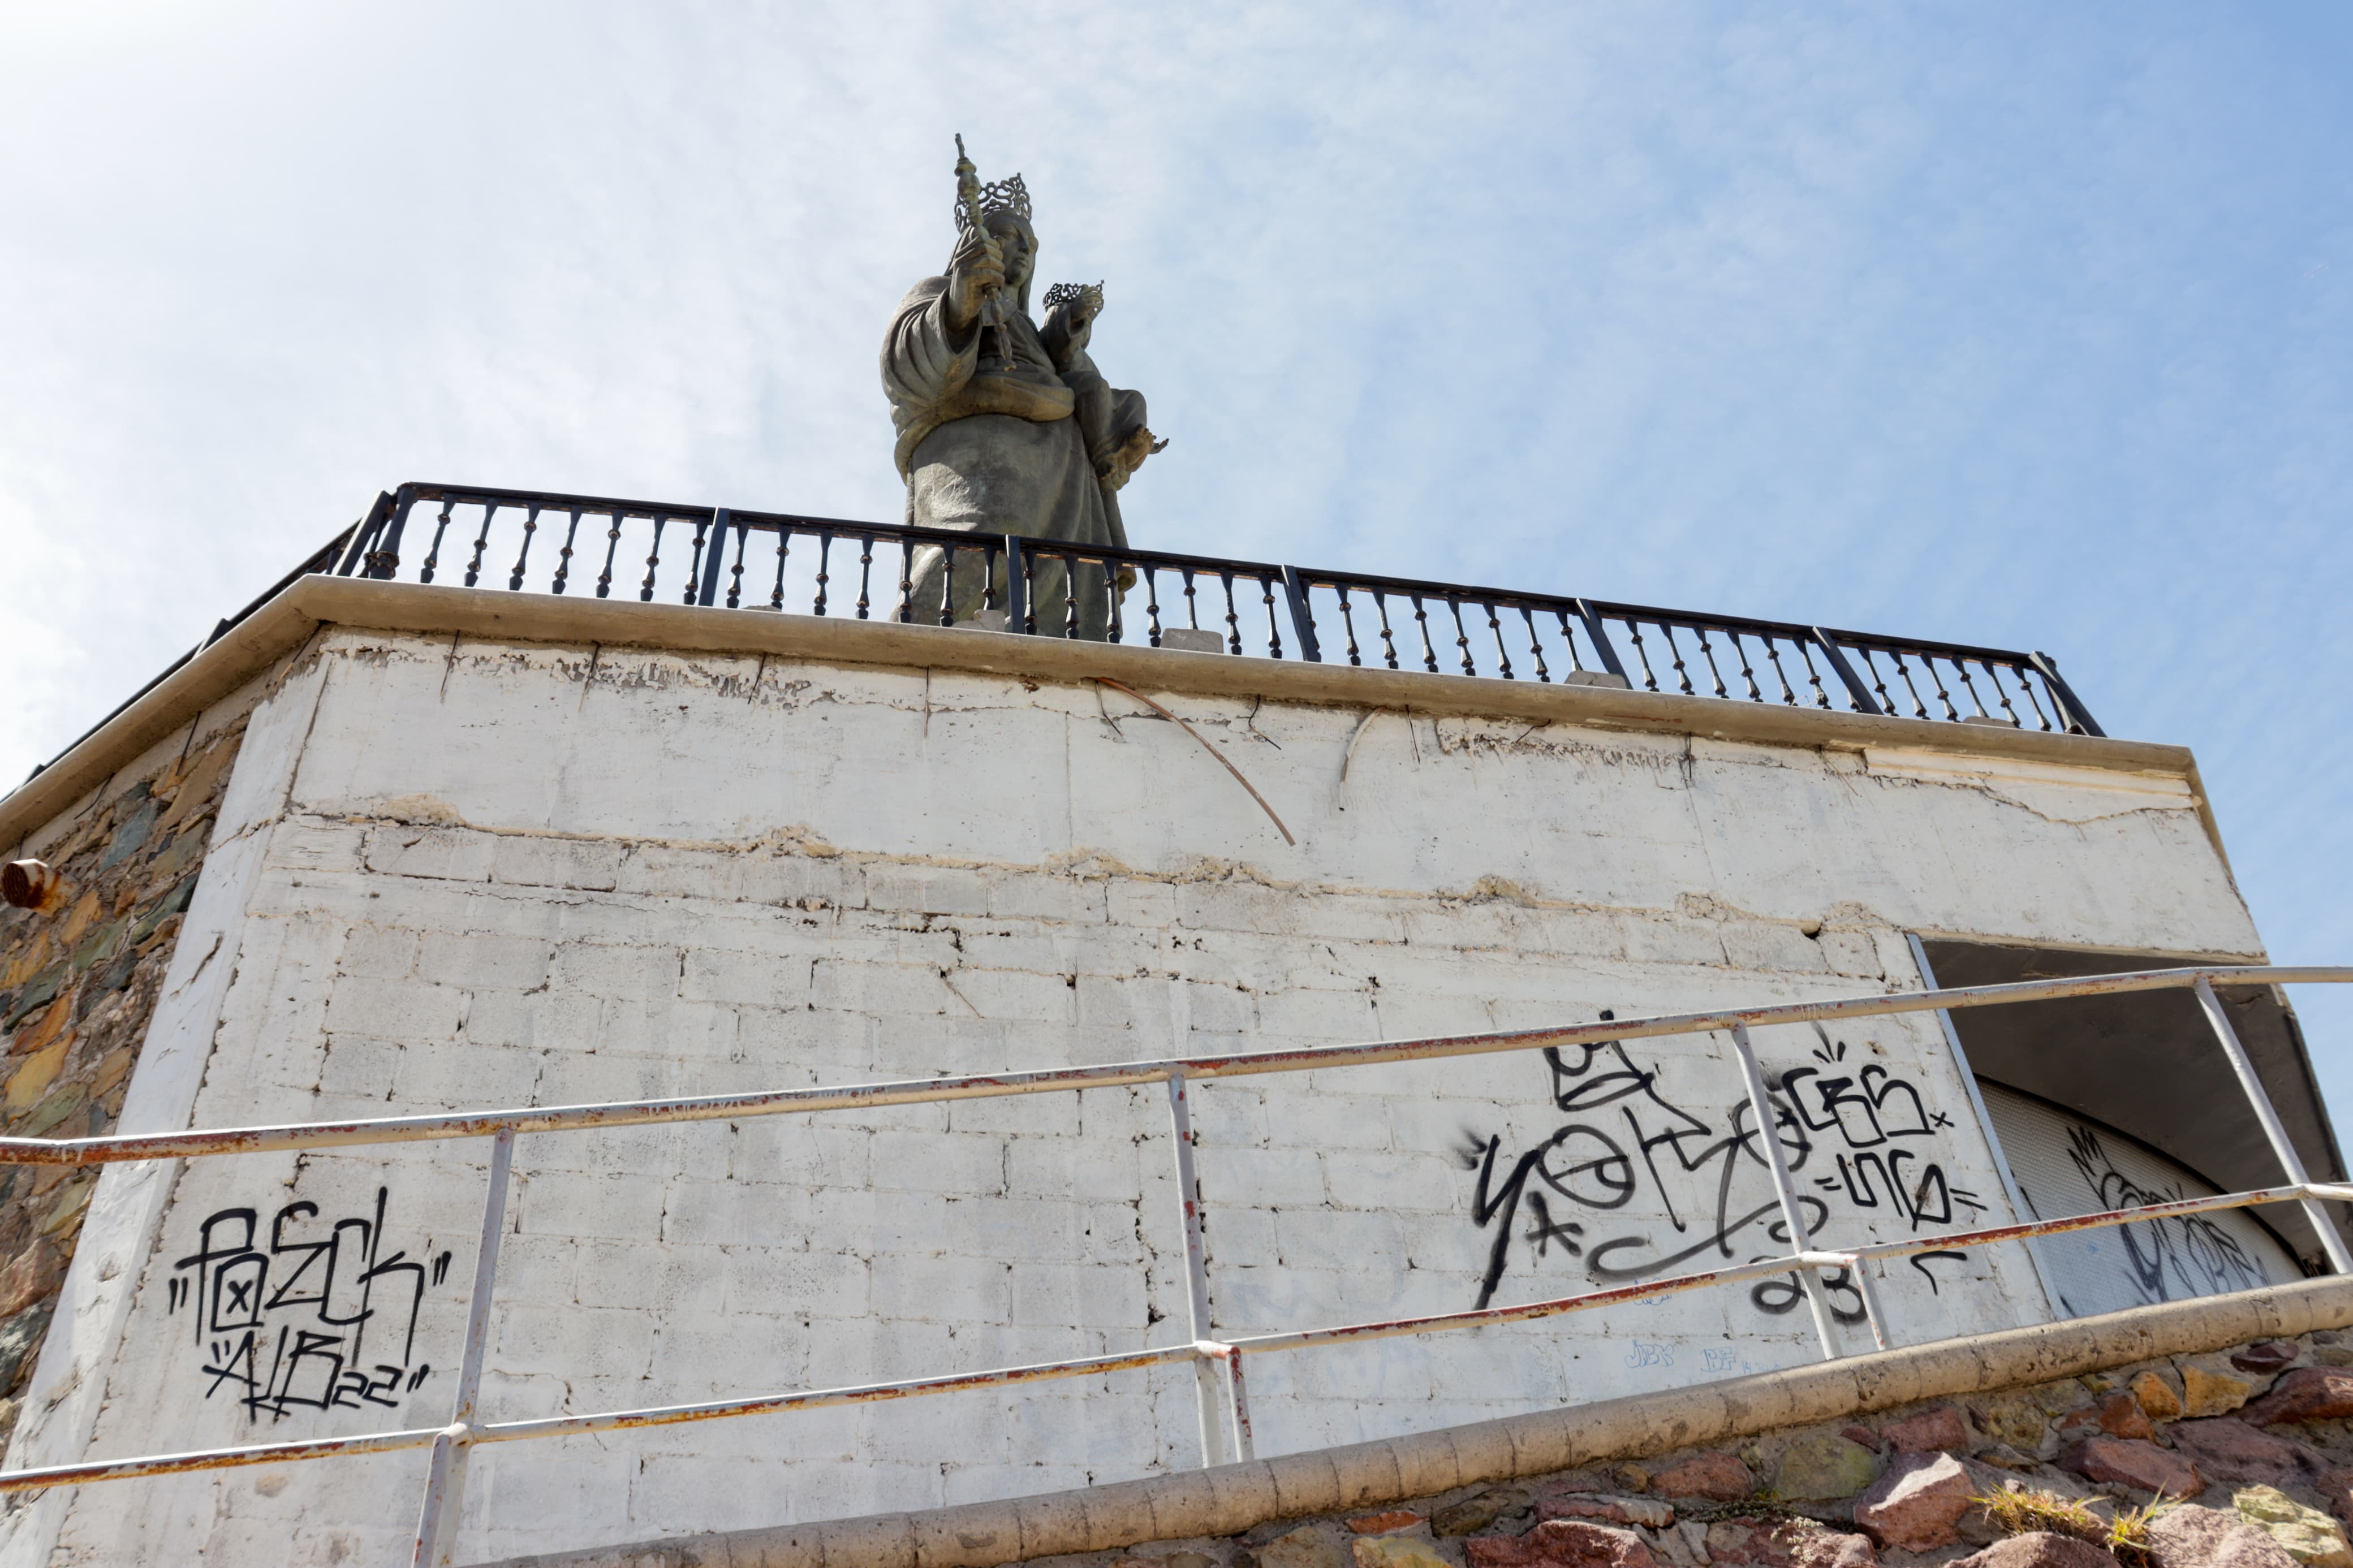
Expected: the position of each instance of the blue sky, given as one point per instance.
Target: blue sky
(2025, 325)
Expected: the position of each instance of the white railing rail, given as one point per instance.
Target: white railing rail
(1225, 1426)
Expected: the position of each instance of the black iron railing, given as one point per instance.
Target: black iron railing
(725, 558)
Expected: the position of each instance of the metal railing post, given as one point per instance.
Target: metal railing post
(1303, 619)
(445, 1482)
(1860, 694)
(713, 557)
(1786, 1190)
(1196, 1272)
(1603, 649)
(2330, 1241)
(2018, 1207)
(1231, 1358)
(2071, 707)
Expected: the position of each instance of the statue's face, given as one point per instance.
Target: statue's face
(1020, 249)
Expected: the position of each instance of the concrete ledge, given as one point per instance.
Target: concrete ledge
(283, 625)
(1229, 1500)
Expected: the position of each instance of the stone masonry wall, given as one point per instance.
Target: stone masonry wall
(487, 875)
(79, 980)
(2247, 1451)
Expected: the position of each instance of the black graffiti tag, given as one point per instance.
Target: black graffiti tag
(1628, 1134)
(291, 1325)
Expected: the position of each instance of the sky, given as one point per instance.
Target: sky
(2013, 324)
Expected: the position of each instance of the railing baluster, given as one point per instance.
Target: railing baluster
(481, 543)
(1919, 709)
(1462, 637)
(1388, 639)
(1233, 619)
(1273, 631)
(1993, 673)
(563, 556)
(653, 561)
(1348, 623)
(784, 548)
(1421, 624)
(1069, 596)
(1634, 630)
(1773, 652)
(1536, 648)
(1756, 693)
(1683, 675)
(1568, 637)
(865, 574)
(824, 564)
(1113, 592)
(530, 527)
(612, 548)
(433, 554)
(735, 572)
(1503, 654)
(1821, 697)
(1936, 678)
(906, 615)
(1152, 602)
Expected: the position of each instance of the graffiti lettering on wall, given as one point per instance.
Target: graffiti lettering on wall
(1859, 1140)
(2169, 1259)
(304, 1314)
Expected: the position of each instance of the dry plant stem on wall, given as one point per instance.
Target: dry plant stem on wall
(1222, 760)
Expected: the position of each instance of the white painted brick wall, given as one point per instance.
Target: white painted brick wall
(493, 885)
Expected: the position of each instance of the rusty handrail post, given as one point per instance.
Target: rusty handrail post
(2290, 1161)
(1786, 1190)
(445, 1482)
(1196, 1270)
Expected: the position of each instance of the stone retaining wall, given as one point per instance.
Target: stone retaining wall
(79, 980)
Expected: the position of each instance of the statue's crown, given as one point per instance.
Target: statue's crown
(1005, 195)
(1089, 294)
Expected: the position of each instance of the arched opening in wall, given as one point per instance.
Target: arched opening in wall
(2066, 1163)
(2146, 1068)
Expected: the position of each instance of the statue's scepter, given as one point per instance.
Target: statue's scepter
(992, 302)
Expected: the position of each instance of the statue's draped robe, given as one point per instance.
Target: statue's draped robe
(992, 449)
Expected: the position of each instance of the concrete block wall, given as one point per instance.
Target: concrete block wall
(492, 874)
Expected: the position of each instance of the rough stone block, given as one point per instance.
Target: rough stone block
(1478, 1510)
(2194, 1536)
(1926, 1431)
(1820, 1467)
(1561, 1544)
(1384, 1523)
(2226, 1449)
(1717, 1475)
(2308, 1394)
(1397, 1552)
(2159, 1395)
(2309, 1535)
(1648, 1513)
(2211, 1386)
(1316, 1546)
(2120, 1461)
(1917, 1505)
(2040, 1549)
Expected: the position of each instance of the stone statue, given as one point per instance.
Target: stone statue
(1006, 426)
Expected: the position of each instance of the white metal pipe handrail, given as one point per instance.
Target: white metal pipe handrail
(116, 1148)
(1162, 1355)
(452, 1444)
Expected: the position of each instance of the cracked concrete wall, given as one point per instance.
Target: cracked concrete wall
(480, 875)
